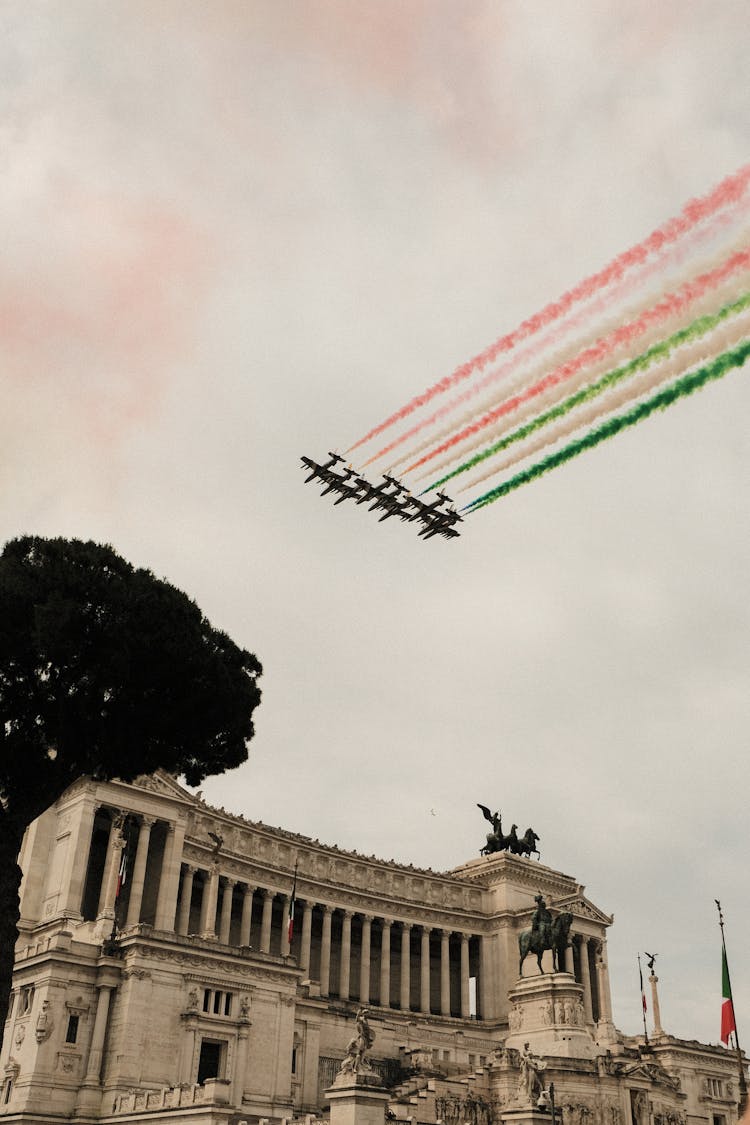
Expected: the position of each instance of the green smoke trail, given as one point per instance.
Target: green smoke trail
(684, 386)
(660, 350)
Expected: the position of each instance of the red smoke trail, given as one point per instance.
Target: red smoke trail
(672, 258)
(728, 191)
(671, 305)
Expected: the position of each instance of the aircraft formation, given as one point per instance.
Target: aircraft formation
(391, 497)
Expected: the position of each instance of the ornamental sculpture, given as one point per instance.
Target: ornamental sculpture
(497, 842)
(545, 933)
(358, 1047)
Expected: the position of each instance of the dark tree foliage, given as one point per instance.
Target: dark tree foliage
(105, 671)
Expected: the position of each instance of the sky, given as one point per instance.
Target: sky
(236, 233)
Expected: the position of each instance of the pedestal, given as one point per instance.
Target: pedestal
(357, 1099)
(547, 1013)
(529, 1116)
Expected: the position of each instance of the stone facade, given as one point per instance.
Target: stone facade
(201, 1008)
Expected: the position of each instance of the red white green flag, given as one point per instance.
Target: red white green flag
(727, 1007)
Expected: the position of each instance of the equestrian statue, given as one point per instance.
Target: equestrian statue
(545, 933)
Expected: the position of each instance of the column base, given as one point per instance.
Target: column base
(357, 1099)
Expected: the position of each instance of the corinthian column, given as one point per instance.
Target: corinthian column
(304, 953)
(208, 905)
(265, 924)
(346, 951)
(465, 1001)
(115, 844)
(385, 965)
(325, 952)
(445, 973)
(586, 980)
(405, 1003)
(424, 994)
(364, 964)
(139, 871)
(247, 915)
(226, 911)
(186, 895)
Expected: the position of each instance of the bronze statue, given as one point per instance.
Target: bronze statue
(548, 935)
(497, 842)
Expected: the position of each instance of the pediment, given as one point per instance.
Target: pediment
(581, 907)
(165, 785)
(651, 1072)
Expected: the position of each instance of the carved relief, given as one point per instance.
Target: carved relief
(44, 1023)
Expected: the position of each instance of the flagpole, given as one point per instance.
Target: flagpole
(643, 1000)
(743, 1083)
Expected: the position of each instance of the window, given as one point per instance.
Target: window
(25, 999)
(71, 1034)
(294, 1060)
(8, 1091)
(216, 1003)
(211, 1060)
(715, 1088)
(11, 999)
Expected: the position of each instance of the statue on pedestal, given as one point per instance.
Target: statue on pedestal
(530, 1084)
(545, 933)
(358, 1046)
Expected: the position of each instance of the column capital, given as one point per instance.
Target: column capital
(366, 918)
(147, 821)
(386, 922)
(190, 868)
(229, 882)
(266, 893)
(346, 913)
(427, 930)
(327, 910)
(407, 925)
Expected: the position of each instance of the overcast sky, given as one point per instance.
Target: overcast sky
(235, 233)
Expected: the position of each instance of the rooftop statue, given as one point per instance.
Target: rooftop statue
(497, 842)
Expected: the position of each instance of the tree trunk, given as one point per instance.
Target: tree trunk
(11, 835)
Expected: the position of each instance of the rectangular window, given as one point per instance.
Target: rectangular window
(8, 1091)
(207, 1000)
(72, 1033)
(11, 998)
(227, 1003)
(211, 1060)
(25, 999)
(294, 1060)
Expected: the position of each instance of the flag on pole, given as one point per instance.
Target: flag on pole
(727, 1007)
(643, 994)
(122, 874)
(292, 904)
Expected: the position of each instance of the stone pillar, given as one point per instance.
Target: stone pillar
(208, 905)
(247, 915)
(186, 896)
(484, 984)
(424, 991)
(658, 1029)
(226, 911)
(94, 1064)
(265, 925)
(78, 860)
(304, 953)
(364, 964)
(139, 871)
(115, 844)
(361, 1101)
(284, 943)
(465, 1000)
(445, 973)
(569, 960)
(346, 952)
(385, 965)
(325, 952)
(405, 1000)
(586, 980)
(240, 1065)
(169, 880)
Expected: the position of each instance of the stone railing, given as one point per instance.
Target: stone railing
(214, 1091)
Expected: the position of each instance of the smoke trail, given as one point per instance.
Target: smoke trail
(666, 397)
(669, 259)
(684, 359)
(694, 331)
(705, 305)
(729, 191)
(672, 304)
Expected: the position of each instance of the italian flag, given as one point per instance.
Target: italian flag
(727, 1007)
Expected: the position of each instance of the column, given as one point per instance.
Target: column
(424, 992)
(169, 880)
(208, 906)
(465, 1001)
(265, 925)
(240, 1065)
(364, 963)
(112, 861)
(485, 1002)
(94, 1065)
(405, 1003)
(186, 895)
(346, 952)
(226, 911)
(304, 953)
(586, 980)
(654, 980)
(325, 952)
(385, 965)
(78, 859)
(247, 915)
(445, 973)
(139, 871)
(570, 966)
(284, 945)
